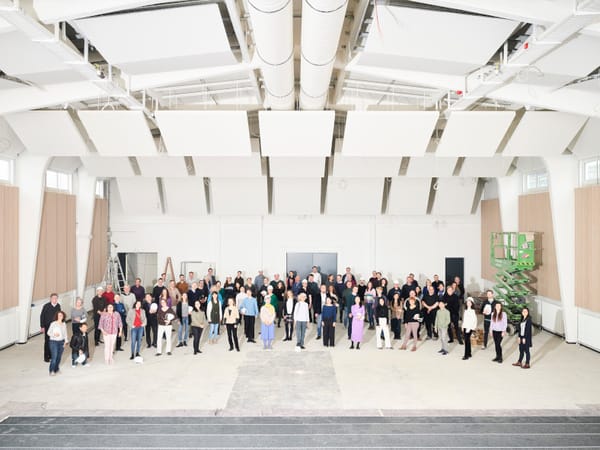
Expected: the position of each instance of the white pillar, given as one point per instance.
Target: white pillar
(86, 199)
(563, 177)
(30, 175)
(509, 189)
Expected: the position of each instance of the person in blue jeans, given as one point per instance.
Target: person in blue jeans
(136, 319)
(301, 319)
(57, 332)
(183, 314)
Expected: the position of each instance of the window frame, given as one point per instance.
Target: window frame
(60, 177)
(583, 178)
(10, 162)
(539, 174)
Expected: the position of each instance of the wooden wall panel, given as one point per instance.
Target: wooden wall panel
(98, 244)
(56, 258)
(587, 247)
(490, 221)
(535, 214)
(9, 247)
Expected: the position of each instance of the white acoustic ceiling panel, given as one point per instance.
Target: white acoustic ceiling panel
(310, 167)
(496, 166)
(354, 196)
(433, 41)
(409, 196)
(52, 11)
(139, 195)
(474, 133)
(296, 196)
(229, 166)
(388, 133)
(160, 40)
(50, 133)
(205, 133)
(108, 166)
(24, 58)
(454, 196)
(431, 166)
(239, 196)
(296, 133)
(356, 166)
(588, 141)
(184, 196)
(543, 133)
(119, 133)
(162, 166)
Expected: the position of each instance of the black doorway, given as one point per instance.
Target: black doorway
(455, 267)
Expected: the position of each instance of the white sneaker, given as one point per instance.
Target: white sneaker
(87, 365)
(73, 365)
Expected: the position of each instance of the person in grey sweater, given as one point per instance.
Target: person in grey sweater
(442, 320)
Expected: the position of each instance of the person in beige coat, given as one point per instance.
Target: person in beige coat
(231, 318)
(199, 323)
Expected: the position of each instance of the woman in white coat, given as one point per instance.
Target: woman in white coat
(469, 324)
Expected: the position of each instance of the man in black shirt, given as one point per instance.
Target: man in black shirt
(313, 292)
(157, 290)
(453, 304)
(98, 305)
(47, 315)
(429, 307)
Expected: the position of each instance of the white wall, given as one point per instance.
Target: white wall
(393, 245)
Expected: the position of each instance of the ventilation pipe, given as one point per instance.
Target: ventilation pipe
(322, 22)
(273, 26)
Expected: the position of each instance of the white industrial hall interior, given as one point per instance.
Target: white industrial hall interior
(359, 139)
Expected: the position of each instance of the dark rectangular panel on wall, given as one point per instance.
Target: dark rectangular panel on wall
(490, 222)
(56, 258)
(535, 214)
(587, 247)
(9, 247)
(98, 245)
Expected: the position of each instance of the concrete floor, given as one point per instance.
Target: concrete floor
(321, 381)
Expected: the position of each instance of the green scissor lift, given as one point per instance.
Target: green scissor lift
(513, 254)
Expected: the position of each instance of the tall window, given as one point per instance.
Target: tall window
(6, 170)
(101, 189)
(535, 181)
(590, 171)
(59, 181)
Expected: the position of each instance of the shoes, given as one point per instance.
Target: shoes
(428, 338)
(440, 351)
(517, 364)
(179, 345)
(499, 361)
(132, 356)
(414, 349)
(73, 365)
(352, 346)
(450, 341)
(137, 354)
(231, 349)
(483, 347)
(154, 345)
(169, 353)
(302, 347)
(318, 337)
(525, 366)
(102, 342)
(444, 352)
(185, 343)
(158, 354)
(97, 344)
(237, 349)
(465, 358)
(461, 343)
(403, 347)
(253, 341)
(495, 360)
(52, 374)
(379, 348)
(358, 346)
(120, 350)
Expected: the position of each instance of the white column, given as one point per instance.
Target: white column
(86, 199)
(30, 174)
(509, 189)
(563, 177)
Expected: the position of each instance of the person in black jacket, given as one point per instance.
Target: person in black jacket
(525, 331)
(47, 315)
(313, 292)
(453, 305)
(429, 307)
(98, 305)
(151, 320)
(79, 345)
(487, 307)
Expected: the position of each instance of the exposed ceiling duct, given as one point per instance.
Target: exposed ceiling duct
(322, 22)
(272, 23)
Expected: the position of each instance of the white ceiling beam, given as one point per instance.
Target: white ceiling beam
(530, 51)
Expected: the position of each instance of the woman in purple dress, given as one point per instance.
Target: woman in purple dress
(357, 313)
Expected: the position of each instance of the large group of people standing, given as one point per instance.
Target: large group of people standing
(196, 306)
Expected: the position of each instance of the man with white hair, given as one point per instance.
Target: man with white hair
(98, 305)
